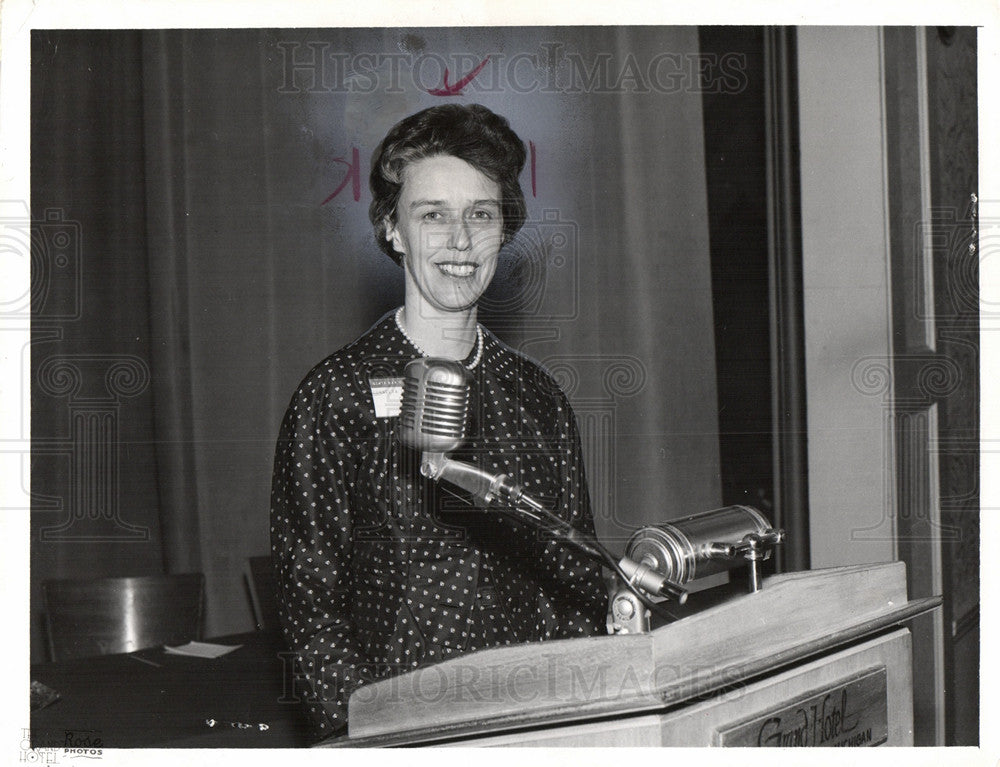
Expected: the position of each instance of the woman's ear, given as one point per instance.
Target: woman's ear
(392, 235)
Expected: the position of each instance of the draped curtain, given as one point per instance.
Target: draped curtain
(95, 508)
(235, 161)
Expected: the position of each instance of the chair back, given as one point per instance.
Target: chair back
(264, 593)
(103, 616)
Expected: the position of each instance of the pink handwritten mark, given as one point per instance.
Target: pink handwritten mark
(456, 89)
(531, 149)
(353, 175)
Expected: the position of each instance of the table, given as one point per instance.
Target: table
(128, 702)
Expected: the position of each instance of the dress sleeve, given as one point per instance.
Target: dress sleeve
(311, 550)
(577, 582)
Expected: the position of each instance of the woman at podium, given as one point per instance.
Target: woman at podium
(380, 569)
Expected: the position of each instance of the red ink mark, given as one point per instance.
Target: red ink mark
(531, 150)
(353, 175)
(456, 89)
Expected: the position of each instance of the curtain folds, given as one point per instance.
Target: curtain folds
(94, 500)
(166, 226)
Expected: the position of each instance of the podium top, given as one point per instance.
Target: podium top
(794, 616)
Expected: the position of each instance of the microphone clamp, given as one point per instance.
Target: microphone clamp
(488, 488)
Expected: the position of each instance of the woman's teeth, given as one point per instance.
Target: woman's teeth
(458, 270)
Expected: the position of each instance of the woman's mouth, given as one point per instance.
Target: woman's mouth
(458, 268)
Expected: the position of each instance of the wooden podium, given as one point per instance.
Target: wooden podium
(816, 658)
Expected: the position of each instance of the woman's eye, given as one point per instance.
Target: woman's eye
(434, 215)
(482, 215)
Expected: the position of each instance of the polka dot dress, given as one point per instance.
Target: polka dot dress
(382, 570)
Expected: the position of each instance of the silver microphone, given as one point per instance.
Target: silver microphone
(432, 418)
(435, 405)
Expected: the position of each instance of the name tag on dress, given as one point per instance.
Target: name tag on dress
(387, 396)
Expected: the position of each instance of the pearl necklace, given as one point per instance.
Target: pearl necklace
(479, 340)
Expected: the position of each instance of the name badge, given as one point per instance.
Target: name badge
(387, 396)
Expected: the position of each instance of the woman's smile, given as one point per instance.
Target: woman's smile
(459, 269)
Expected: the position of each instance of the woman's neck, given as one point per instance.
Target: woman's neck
(439, 333)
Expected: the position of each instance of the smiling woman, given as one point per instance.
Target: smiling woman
(380, 569)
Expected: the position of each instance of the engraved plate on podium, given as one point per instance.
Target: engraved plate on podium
(852, 712)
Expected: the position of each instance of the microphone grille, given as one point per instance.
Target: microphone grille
(435, 404)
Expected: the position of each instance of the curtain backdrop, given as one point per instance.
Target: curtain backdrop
(94, 501)
(238, 161)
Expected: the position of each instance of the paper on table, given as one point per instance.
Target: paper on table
(202, 649)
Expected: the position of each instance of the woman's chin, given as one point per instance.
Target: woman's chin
(458, 300)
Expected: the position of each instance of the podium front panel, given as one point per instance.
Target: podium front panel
(858, 696)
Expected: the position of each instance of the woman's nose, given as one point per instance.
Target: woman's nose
(460, 238)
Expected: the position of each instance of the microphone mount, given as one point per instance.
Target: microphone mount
(498, 490)
(694, 547)
(487, 487)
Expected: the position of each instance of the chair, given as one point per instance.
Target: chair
(103, 616)
(263, 588)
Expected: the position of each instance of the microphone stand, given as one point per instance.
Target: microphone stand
(631, 578)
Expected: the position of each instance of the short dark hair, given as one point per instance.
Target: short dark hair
(471, 133)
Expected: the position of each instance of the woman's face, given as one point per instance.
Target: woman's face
(449, 229)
